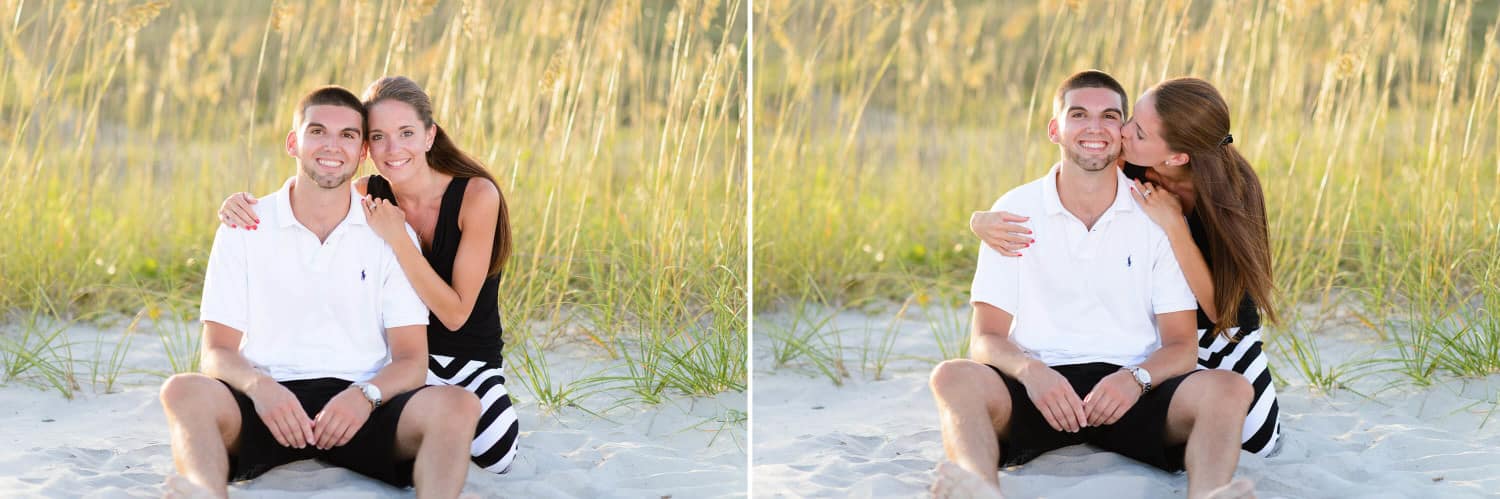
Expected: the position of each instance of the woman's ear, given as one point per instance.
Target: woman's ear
(1178, 159)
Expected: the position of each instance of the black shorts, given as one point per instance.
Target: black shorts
(1139, 434)
(371, 452)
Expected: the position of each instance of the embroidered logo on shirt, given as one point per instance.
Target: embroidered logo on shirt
(1127, 262)
(361, 274)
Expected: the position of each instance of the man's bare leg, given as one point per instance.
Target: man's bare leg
(1218, 400)
(974, 410)
(436, 428)
(204, 421)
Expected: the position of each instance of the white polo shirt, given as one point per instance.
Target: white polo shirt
(309, 309)
(1081, 295)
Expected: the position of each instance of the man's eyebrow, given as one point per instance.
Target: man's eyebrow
(1081, 108)
(353, 129)
(311, 124)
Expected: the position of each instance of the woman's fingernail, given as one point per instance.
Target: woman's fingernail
(232, 226)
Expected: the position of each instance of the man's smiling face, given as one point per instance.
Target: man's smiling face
(328, 145)
(1087, 127)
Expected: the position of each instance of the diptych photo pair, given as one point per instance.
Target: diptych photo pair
(750, 248)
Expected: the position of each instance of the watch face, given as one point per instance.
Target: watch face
(1141, 375)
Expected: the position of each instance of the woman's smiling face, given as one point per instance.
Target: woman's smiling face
(399, 141)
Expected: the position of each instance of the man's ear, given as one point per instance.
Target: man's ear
(291, 143)
(1052, 131)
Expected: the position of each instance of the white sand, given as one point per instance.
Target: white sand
(880, 438)
(116, 444)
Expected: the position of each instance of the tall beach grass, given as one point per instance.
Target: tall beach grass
(882, 125)
(615, 129)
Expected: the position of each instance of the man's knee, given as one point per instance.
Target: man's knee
(958, 376)
(1227, 389)
(187, 390)
(459, 408)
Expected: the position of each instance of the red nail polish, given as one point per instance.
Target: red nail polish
(232, 226)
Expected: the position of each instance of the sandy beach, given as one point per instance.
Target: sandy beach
(116, 445)
(880, 438)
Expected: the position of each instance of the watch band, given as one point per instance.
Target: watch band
(374, 399)
(1135, 373)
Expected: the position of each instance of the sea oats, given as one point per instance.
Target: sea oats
(137, 17)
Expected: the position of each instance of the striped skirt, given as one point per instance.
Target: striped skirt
(494, 445)
(1262, 432)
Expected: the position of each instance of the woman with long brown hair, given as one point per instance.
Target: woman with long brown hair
(461, 222)
(1194, 183)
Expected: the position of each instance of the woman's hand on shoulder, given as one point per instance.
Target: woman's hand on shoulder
(236, 211)
(1001, 231)
(386, 219)
(1160, 204)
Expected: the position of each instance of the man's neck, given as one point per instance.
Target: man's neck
(319, 209)
(1085, 194)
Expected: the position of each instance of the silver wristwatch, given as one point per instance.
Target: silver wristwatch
(1142, 377)
(371, 392)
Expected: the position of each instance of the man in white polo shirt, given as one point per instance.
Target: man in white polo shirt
(1089, 337)
(314, 343)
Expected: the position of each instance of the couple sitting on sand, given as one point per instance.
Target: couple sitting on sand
(352, 330)
(1089, 337)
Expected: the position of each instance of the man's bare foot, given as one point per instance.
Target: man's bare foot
(1240, 488)
(179, 487)
(954, 482)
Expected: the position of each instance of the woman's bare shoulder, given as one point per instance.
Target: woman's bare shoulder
(363, 185)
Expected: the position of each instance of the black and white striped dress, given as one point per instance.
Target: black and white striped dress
(494, 445)
(1262, 432)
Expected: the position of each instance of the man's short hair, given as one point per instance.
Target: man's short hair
(331, 95)
(1089, 78)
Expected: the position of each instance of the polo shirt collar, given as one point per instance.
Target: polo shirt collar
(285, 218)
(1053, 202)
